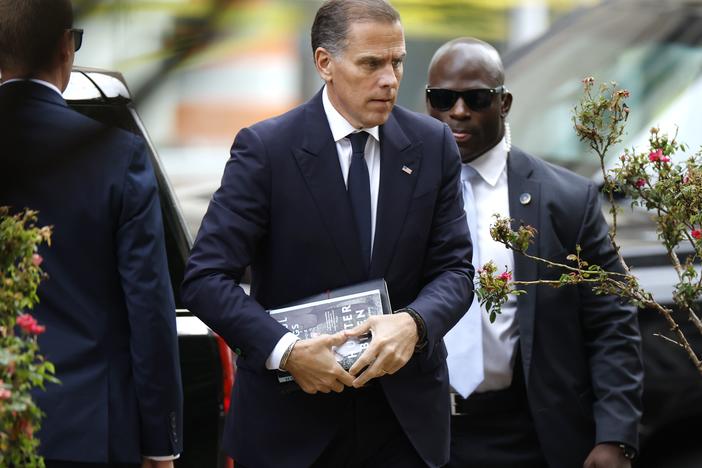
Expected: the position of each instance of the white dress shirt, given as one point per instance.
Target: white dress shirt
(492, 196)
(340, 128)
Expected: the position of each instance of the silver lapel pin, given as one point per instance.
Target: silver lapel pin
(525, 198)
(406, 170)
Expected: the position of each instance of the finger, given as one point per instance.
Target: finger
(337, 339)
(361, 329)
(338, 387)
(344, 377)
(374, 370)
(363, 361)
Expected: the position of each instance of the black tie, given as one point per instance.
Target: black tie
(359, 194)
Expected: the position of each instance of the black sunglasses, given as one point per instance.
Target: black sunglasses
(77, 37)
(477, 99)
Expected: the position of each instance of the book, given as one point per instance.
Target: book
(334, 311)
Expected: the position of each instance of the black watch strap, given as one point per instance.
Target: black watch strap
(628, 451)
(421, 327)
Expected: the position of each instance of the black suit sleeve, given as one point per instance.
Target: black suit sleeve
(236, 221)
(612, 338)
(448, 274)
(143, 268)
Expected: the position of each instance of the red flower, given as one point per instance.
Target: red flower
(640, 183)
(506, 276)
(29, 324)
(655, 155)
(686, 179)
(37, 259)
(696, 233)
(622, 158)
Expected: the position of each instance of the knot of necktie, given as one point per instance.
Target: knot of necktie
(358, 142)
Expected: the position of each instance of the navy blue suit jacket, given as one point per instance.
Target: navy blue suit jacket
(581, 352)
(283, 209)
(107, 303)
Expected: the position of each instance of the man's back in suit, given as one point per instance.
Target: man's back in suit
(107, 302)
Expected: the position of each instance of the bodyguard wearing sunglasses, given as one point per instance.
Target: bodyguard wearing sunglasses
(107, 303)
(556, 380)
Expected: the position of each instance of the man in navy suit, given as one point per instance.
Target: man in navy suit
(344, 188)
(559, 373)
(107, 302)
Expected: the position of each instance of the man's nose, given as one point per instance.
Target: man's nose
(389, 77)
(460, 110)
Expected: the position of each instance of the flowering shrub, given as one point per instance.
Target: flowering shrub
(22, 368)
(672, 192)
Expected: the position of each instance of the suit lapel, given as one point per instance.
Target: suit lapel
(318, 161)
(524, 204)
(399, 165)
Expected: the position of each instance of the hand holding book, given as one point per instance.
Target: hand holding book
(394, 340)
(314, 366)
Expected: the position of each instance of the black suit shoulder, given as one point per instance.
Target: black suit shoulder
(565, 194)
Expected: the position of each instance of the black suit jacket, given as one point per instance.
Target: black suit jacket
(283, 209)
(581, 352)
(107, 303)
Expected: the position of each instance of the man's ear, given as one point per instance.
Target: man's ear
(324, 62)
(506, 104)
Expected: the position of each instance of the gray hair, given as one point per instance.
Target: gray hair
(334, 18)
(30, 31)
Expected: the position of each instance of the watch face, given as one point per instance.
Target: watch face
(628, 452)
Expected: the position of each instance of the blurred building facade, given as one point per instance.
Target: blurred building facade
(200, 70)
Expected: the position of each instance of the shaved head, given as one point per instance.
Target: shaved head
(468, 64)
(474, 51)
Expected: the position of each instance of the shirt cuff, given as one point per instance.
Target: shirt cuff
(163, 458)
(273, 361)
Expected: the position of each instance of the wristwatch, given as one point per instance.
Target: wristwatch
(628, 451)
(421, 327)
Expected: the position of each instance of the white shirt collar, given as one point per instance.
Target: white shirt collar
(340, 127)
(34, 80)
(491, 164)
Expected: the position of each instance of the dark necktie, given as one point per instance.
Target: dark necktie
(359, 194)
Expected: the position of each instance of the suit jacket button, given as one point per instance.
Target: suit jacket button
(525, 198)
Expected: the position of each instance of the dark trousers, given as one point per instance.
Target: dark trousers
(370, 437)
(70, 464)
(495, 429)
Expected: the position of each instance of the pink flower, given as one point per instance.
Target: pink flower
(37, 259)
(5, 394)
(686, 179)
(588, 80)
(506, 276)
(655, 155)
(696, 233)
(29, 324)
(624, 93)
(640, 183)
(622, 158)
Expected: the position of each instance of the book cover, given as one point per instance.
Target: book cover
(334, 311)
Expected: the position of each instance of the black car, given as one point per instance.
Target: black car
(653, 48)
(206, 361)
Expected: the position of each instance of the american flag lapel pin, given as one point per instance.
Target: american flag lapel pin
(406, 170)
